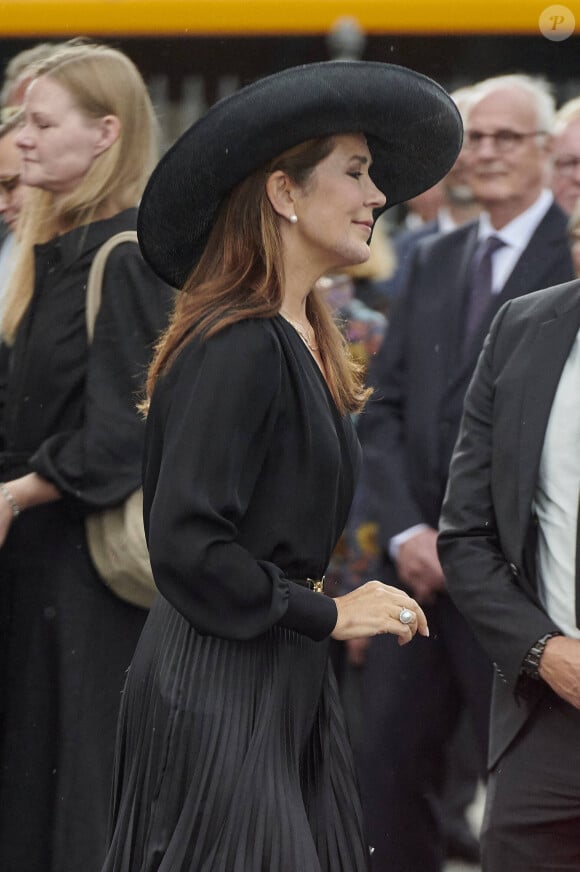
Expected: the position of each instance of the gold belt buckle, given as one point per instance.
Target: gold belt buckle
(316, 584)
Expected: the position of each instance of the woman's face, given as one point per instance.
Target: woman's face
(335, 207)
(11, 187)
(58, 143)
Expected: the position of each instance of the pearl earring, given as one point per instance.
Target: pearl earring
(293, 219)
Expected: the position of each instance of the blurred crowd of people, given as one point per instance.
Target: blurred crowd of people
(77, 143)
(422, 755)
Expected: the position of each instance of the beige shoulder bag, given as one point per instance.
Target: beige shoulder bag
(116, 536)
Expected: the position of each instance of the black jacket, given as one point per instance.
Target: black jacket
(70, 408)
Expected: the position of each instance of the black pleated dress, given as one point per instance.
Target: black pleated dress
(232, 754)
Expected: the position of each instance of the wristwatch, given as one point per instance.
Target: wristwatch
(531, 662)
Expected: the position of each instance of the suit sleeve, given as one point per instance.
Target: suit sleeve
(479, 575)
(99, 464)
(224, 397)
(382, 428)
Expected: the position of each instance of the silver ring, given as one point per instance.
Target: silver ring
(406, 616)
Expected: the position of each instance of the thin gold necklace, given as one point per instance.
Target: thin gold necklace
(308, 342)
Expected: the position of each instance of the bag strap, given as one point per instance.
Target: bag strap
(95, 279)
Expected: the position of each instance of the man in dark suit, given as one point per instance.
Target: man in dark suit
(456, 205)
(408, 431)
(509, 548)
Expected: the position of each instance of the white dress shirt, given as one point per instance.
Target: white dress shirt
(516, 235)
(556, 500)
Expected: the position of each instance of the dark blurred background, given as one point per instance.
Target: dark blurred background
(209, 48)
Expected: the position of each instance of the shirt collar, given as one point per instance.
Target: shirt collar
(518, 232)
(445, 220)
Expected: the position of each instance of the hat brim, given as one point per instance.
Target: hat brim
(412, 126)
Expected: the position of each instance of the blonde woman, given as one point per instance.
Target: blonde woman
(73, 443)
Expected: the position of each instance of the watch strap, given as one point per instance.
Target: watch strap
(531, 662)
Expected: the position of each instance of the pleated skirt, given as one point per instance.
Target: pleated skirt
(232, 756)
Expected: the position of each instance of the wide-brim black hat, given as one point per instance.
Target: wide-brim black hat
(412, 126)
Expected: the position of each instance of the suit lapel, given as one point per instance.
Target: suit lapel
(548, 352)
(453, 307)
(535, 269)
(535, 266)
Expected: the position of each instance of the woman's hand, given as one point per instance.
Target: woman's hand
(375, 608)
(24, 493)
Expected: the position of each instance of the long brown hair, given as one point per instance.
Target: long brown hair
(240, 275)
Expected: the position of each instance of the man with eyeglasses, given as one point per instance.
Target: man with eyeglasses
(566, 156)
(454, 285)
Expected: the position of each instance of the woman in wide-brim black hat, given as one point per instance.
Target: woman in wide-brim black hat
(232, 751)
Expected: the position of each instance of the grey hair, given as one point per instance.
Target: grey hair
(19, 64)
(463, 98)
(536, 88)
(568, 112)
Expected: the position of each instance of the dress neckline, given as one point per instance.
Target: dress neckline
(314, 362)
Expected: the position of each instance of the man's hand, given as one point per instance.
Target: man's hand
(418, 565)
(560, 668)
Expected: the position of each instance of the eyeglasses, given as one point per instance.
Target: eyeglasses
(8, 184)
(503, 140)
(567, 166)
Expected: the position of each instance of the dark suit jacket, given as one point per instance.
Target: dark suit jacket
(487, 534)
(420, 377)
(404, 243)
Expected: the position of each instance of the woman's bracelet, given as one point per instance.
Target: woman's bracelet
(14, 507)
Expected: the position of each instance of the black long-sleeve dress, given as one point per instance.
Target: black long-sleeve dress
(232, 754)
(66, 640)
